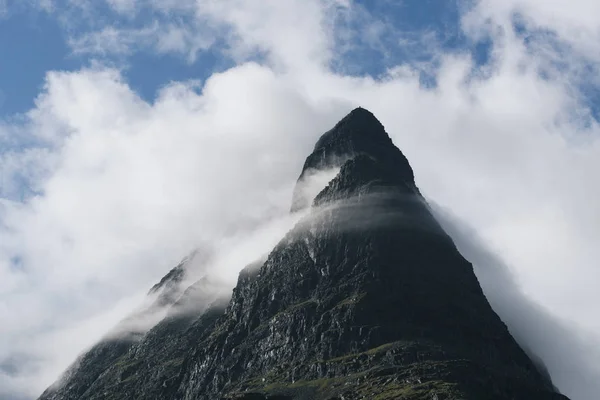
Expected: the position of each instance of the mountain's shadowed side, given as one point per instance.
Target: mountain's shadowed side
(365, 298)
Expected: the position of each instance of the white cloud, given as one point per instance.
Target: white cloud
(243, 28)
(574, 22)
(564, 36)
(106, 224)
(164, 39)
(535, 329)
(123, 6)
(125, 188)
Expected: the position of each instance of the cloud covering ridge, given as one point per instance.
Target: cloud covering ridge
(103, 190)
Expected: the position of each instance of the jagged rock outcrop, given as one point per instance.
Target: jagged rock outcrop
(366, 298)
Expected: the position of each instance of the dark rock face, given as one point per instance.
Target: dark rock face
(366, 298)
(357, 133)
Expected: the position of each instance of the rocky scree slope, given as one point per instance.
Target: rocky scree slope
(365, 298)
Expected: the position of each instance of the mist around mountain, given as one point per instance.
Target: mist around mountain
(367, 296)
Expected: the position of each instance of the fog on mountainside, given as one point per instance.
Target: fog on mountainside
(366, 297)
(556, 344)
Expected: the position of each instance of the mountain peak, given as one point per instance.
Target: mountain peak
(355, 130)
(369, 299)
(359, 133)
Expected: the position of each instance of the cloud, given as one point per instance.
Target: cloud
(572, 365)
(240, 30)
(103, 192)
(164, 39)
(123, 6)
(574, 24)
(103, 224)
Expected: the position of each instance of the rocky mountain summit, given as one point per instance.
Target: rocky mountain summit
(365, 298)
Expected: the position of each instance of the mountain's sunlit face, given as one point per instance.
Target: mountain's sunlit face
(134, 131)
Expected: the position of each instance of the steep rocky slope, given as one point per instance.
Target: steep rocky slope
(365, 298)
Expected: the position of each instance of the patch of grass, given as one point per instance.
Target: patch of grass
(125, 362)
(291, 309)
(351, 300)
(367, 386)
(298, 306)
(422, 391)
(370, 352)
(382, 348)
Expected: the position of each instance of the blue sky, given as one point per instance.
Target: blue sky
(34, 41)
(31, 43)
(133, 131)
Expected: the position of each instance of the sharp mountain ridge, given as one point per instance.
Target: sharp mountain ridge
(365, 298)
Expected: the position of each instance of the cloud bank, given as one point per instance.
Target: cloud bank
(103, 192)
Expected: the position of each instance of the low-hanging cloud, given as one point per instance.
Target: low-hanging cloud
(567, 351)
(104, 192)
